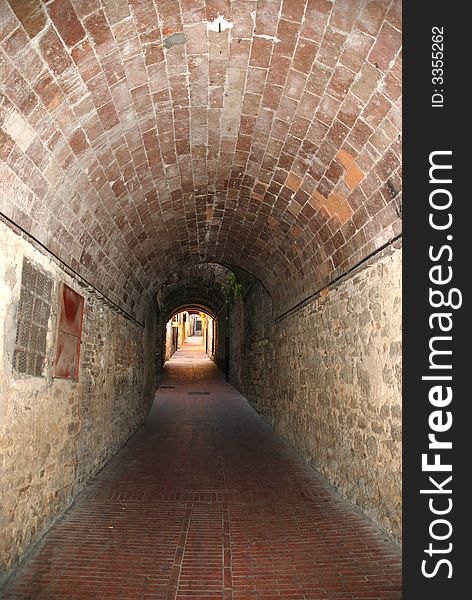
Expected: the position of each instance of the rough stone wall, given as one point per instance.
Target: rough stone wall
(209, 338)
(55, 434)
(169, 346)
(221, 333)
(328, 378)
(184, 329)
(152, 352)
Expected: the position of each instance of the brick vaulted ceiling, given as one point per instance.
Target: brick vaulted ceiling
(201, 284)
(142, 136)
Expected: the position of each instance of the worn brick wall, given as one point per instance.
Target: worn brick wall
(137, 138)
(328, 378)
(55, 434)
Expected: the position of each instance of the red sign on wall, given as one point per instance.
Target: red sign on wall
(69, 333)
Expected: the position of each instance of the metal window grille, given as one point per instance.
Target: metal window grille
(32, 322)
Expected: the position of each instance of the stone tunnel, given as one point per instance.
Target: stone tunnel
(150, 149)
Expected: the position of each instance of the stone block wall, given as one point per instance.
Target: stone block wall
(220, 336)
(328, 378)
(169, 346)
(55, 434)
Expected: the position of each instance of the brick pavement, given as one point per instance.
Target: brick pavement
(206, 501)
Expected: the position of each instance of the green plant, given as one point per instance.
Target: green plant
(232, 288)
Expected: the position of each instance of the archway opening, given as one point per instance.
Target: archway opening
(191, 326)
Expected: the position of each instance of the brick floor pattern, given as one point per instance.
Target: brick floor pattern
(206, 501)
